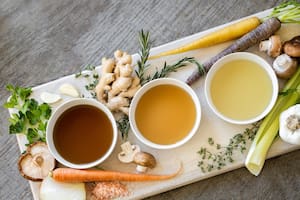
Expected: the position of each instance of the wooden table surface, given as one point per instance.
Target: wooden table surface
(43, 40)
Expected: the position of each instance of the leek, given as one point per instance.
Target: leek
(269, 127)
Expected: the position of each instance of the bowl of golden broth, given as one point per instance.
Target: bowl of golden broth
(81, 133)
(241, 88)
(165, 113)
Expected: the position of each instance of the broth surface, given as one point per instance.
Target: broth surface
(165, 114)
(241, 89)
(82, 134)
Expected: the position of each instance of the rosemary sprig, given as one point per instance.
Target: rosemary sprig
(238, 143)
(173, 68)
(145, 46)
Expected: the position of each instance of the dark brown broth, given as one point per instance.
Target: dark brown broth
(82, 134)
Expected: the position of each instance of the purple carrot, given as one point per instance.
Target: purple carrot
(262, 32)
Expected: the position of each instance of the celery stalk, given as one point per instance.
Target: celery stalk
(268, 129)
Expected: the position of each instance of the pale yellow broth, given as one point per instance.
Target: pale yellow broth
(241, 89)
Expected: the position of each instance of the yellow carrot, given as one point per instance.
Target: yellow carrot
(225, 34)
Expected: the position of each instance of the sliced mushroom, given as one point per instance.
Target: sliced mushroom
(37, 162)
(292, 47)
(144, 161)
(285, 66)
(128, 152)
(271, 46)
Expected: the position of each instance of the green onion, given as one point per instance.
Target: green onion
(268, 129)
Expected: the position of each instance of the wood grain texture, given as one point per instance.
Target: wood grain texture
(44, 40)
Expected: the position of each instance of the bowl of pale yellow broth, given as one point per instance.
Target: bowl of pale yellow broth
(241, 88)
(165, 113)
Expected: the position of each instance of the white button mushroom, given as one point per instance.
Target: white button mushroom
(285, 66)
(271, 46)
(131, 153)
(289, 129)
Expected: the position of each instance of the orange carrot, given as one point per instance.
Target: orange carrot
(90, 175)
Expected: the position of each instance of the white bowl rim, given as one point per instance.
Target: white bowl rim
(254, 58)
(143, 90)
(57, 113)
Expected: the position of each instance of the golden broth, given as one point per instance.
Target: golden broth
(241, 89)
(82, 134)
(165, 114)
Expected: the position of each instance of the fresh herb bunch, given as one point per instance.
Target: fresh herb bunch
(224, 155)
(31, 117)
(90, 74)
(287, 12)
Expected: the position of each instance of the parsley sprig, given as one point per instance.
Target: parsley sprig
(30, 117)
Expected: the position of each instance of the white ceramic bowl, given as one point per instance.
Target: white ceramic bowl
(143, 90)
(57, 113)
(242, 56)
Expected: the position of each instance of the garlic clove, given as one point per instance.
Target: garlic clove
(68, 89)
(50, 97)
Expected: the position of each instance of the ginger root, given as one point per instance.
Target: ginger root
(117, 85)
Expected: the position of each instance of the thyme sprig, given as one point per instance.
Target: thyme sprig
(225, 154)
(92, 78)
(123, 126)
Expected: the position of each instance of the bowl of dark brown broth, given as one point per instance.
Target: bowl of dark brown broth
(165, 113)
(81, 133)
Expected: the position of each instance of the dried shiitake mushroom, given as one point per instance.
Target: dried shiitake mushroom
(36, 163)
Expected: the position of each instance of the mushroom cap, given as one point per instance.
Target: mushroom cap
(284, 66)
(37, 162)
(292, 47)
(275, 48)
(144, 159)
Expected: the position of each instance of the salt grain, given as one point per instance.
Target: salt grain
(108, 190)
